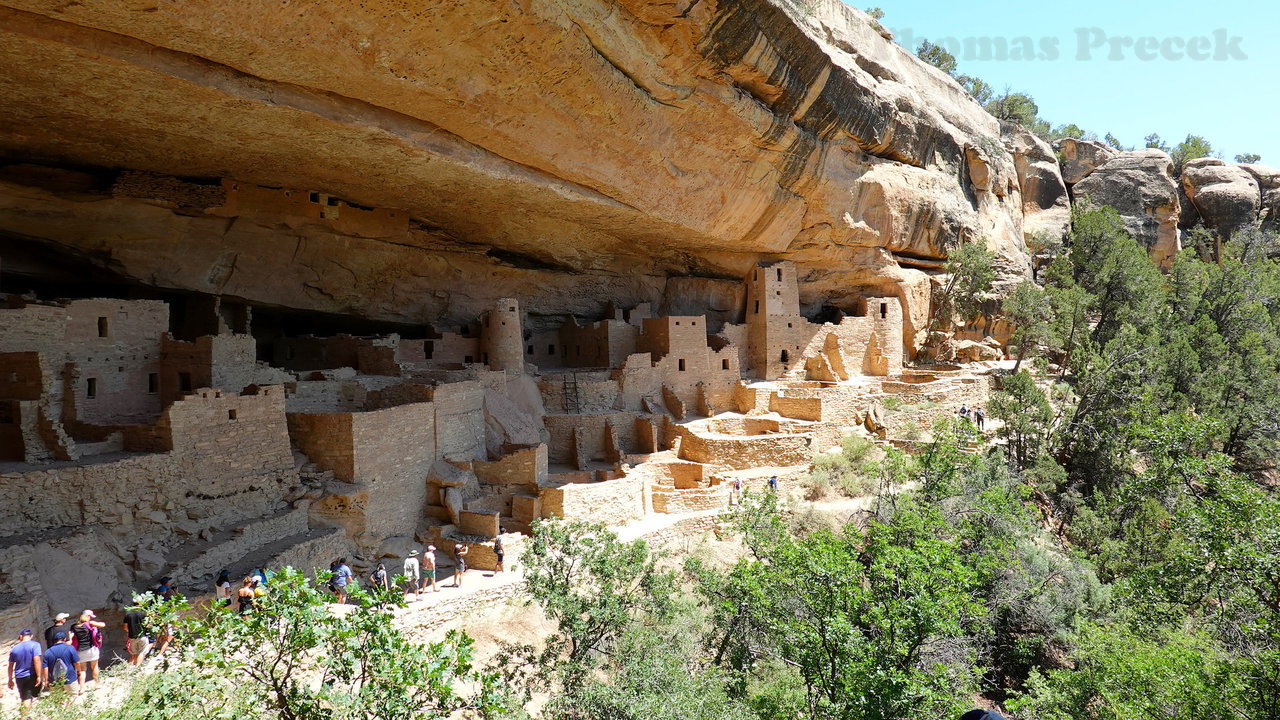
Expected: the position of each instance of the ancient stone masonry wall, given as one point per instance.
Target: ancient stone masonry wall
(615, 502)
(113, 347)
(394, 450)
(219, 468)
(460, 430)
(41, 328)
(169, 190)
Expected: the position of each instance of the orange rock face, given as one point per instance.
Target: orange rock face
(566, 153)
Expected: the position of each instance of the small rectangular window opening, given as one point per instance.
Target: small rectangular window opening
(102, 327)
(91, 388)
(231, 414)
(681, 361)
(153, 383)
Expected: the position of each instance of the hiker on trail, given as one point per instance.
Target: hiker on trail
(261, 575)
(59, 666)
(773, 483)
(979, 417)
(25, 667)
(136, 640)
(246, 595)
(379, 577)
(165, 588)
(429, 569)
(222, 588)
(413, 574)
(89, 637)
(499, 553)
(59, 624)
(460, 551)
(342, 575)
(964, 411)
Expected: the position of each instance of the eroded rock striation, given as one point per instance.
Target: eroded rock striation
(569, 153)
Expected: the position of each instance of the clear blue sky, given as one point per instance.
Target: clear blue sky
(1233, 102)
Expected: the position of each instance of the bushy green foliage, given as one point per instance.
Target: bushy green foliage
(1247, 158)
(846, 471)
(297, 657)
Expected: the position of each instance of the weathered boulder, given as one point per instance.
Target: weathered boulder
(1081, 157)
(1139, 184)
(1226, 196)
(1046, 209)
(506, 423)
(1269, 185)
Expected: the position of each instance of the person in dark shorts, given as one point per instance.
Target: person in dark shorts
(460, 551)
(136, 640)
(60, 660)
(499, 553)
(25, 667)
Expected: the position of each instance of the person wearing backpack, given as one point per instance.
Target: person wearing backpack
(60, 660)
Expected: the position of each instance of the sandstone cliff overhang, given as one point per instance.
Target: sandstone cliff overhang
(582, 150)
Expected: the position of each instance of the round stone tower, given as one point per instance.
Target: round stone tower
(501, 336)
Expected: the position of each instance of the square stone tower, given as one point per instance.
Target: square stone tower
(774, 323)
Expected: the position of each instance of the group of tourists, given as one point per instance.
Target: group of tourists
(735, 489)
(977, 415)
(419, 573)
(67, 661)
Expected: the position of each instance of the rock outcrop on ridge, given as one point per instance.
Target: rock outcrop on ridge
(569, 153)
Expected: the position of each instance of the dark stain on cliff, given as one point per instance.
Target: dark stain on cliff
(840, 106)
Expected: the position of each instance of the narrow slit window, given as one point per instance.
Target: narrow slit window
(91, 388)
(779, 274)
(103, 329)
(153, 383)
(884, 310)
(681, 361)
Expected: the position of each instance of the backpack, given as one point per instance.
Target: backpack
(95, 636)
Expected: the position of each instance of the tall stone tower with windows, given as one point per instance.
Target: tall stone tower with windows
(773, 320)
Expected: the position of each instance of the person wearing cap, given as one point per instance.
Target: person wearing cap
(429, 568)
(25, 663)
(60, 663)
(59, 624)
(413, 573)
(88, 634)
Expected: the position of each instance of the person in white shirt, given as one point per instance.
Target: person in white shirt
(413, 573)
(222, 588)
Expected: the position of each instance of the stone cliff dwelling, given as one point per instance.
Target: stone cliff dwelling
(180, 436)
(265, 301)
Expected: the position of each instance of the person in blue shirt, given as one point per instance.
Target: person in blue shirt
(341, 577)
(60, 663)
(25, 667)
